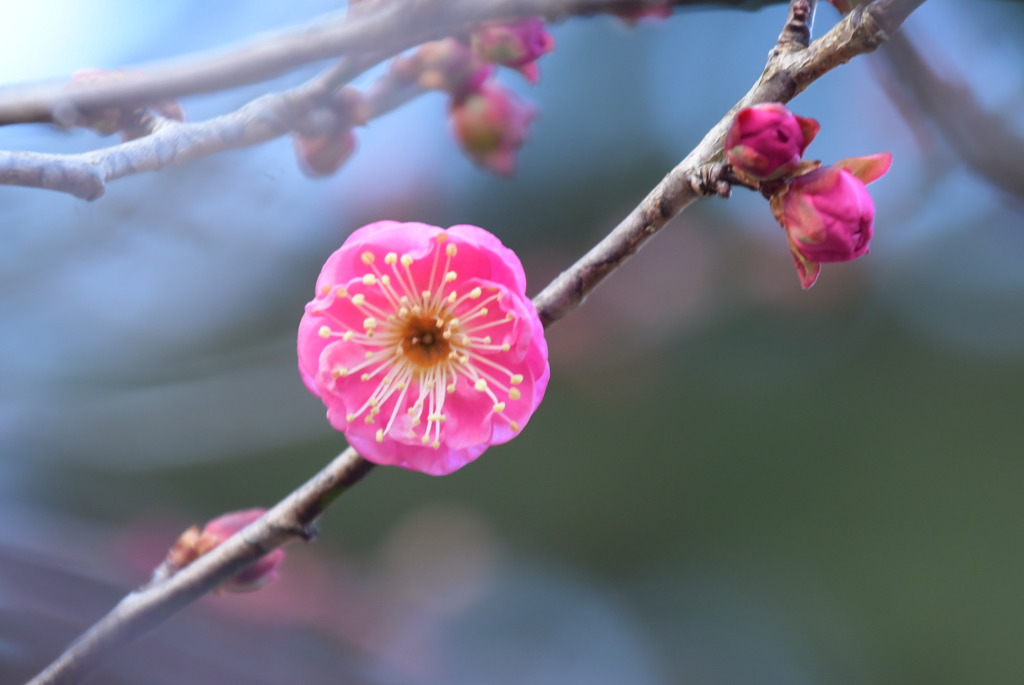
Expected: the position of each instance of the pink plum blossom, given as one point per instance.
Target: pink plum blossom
(194, 543)
(828, 214)
(515, 44)
(423, 345)
(766, 141)
(490, 126)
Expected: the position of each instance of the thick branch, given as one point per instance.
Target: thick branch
(787, 73)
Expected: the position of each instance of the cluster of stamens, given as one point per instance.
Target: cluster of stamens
(421, 340)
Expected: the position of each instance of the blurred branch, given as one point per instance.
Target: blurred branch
(384, 27)
(366, 36)
(983, 139)
(85, 175)
(792, 66)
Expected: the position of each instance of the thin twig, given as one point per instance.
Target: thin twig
(787, 73)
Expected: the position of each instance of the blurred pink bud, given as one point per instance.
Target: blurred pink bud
(828, 214)
(766, 141)
(193, 544)
(451, 66)
(514, 44)
(490, 125)
(632, 16)
(323, 155)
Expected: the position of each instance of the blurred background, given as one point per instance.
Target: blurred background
(731, 480)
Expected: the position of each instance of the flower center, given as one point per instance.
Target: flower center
(423, 341)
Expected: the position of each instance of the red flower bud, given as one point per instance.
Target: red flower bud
(491, 126)
(828, 214)
(766, 141)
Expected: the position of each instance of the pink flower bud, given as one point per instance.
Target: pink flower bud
(766, 141)
(515, 44)
(828, 214)
(193, 544)
(322, 156)
(491, 125)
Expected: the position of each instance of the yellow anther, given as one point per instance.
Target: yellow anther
(339, 372)
(416, 421)
(359, 299)
(407, 260)
(450, 388)
(324, 332)
(341, 291)
(505, 347)
(514, 426)
(452, 297)
(380, 435)
(487, 340)
(480, 385)
(368, 355)
(348, 335)
(499, 406)
(514, 394)
(435, 445)
(475, 293)
(390, 258)
(385, 279)
(425, 294)
(442, 237)
(450, 276)
(510, 316)
(369, 322)
(368, 419)
(451, 250)
(483, 311)
(516, 379)
(367, 257)
(425, 439)
(373, 402)
(365, 377)
(350, 417)
(369, 279)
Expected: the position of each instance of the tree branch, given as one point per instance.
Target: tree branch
(788, 72)
(388, 28)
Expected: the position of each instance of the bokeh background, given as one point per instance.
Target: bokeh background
(731, 480)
